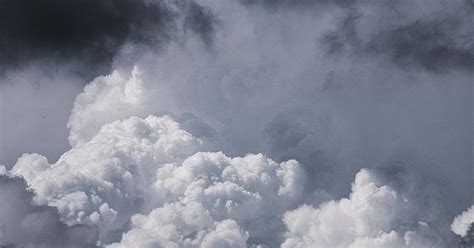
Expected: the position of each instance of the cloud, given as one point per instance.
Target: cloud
(50, 50)
(58, 31)
(462, 223)
(115, 93)
(255, 121)
(467, 240)
(35, 106)
(276, 93)
(175, 225)
(428, 44)
(105, 181)
(372, 216)
(436, 41)
(24, 224)
(136, 165)
(141, 182)
(284, 4)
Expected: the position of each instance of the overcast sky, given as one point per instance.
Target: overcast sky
(236, 123)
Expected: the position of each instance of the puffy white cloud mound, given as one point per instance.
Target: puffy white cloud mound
(148, 168)
(107, 179)
(231, 185)
(251, 192)
(177, 225)
(106, 99)
(372, 216)
(462, 222)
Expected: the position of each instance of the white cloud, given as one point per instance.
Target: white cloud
(462, 222)
(248, 194)
(253, 190)
(137, 165)
(106, 99)
(372, 216)
(107, 179)
(176, 225)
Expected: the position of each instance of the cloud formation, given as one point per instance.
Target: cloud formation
(462, 223)
(235, 199)
(242, 124)
(136, 165)
(435, 39)
(106, 180)
(372, 216)
(175, 225)
(61, 31)
(141, 182)
(42, 103)
(25, 224)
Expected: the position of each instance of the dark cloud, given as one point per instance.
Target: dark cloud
(429, 44)
(468, 240)
(88, 31)
(305, 136)
(200, 20)
(438, 41)
(25, 225)
(276, 4)
(345, 37)
(433, 44)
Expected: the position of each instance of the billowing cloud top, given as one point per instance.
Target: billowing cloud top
(236, 123)
(132, 166)
(142, 178)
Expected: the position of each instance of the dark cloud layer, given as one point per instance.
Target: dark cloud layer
(25, 225)
(437, 42)
(433, 43)
(87, 31)
(427, 44)
(200, 20)
(468, 240)
(277, 4)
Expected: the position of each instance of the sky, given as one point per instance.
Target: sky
(236, 123)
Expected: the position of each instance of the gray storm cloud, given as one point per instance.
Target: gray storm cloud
(60, 31)
(24, 224)
(256, 124)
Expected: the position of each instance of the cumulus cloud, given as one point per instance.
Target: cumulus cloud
(50, 50)
(106, 180)
(236, 123)
(141, 182)
(137, 165)
(175, 225)
(372, 216)
(115, 93)
(25, 224)
(462, 223)
(253, 190)
(275, 92)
